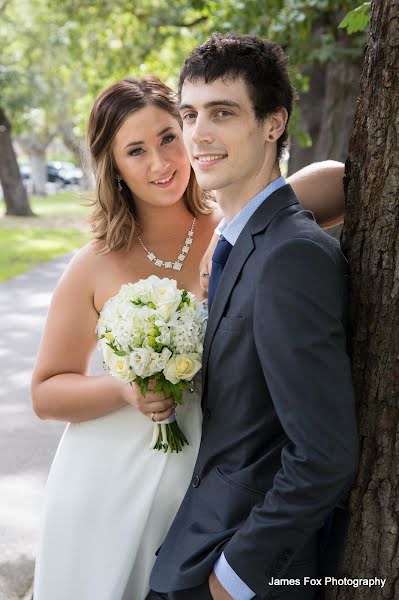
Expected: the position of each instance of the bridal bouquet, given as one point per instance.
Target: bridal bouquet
(153, 331)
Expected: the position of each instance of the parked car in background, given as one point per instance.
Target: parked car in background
(26, 172)
(65, 173)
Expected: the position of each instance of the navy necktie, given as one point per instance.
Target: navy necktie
(219, 259)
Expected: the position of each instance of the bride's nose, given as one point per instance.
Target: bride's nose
(159, 164)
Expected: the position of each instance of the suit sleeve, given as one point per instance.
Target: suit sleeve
(299, 334)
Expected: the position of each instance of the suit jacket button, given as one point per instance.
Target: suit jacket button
(195, 481)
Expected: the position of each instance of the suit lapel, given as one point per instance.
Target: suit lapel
(243, 248)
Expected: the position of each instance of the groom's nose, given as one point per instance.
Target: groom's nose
(202, 130)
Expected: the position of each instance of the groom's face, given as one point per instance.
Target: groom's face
(226, 144)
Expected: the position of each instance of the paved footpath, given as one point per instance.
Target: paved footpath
(27, 444)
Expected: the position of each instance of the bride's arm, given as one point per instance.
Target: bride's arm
(319, 188)
(61, 387)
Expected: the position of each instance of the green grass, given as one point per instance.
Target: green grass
(59, 228)
(21, 250)
(61, 203)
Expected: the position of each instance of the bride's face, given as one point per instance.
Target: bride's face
(150, 157)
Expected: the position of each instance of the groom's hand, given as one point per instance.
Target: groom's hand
(217, 590)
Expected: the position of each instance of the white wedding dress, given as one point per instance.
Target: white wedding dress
(109, 503)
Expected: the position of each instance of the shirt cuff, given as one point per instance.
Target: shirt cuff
(231, 582)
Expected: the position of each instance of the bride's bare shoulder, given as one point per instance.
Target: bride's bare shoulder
(86, 263)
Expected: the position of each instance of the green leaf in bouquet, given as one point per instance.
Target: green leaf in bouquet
(159, 386)
(143, 384)
(116, 351)
(167, 388)
(177, 392)
(184, 300)
(138, 302)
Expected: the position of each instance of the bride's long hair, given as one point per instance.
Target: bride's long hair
(113, 215)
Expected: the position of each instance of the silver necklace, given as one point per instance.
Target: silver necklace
(178, 263)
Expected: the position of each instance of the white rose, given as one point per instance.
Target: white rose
(164, 293)
(182, 367)
(141, 289)
(140, 360)
(164, 312)
(120, 367)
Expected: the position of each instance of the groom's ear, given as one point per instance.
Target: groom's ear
(274, 125)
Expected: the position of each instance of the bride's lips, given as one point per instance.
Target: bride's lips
(170, 179)
(206, 161)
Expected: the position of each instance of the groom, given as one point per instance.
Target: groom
(279, 441)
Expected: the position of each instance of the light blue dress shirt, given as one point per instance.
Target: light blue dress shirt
(229, 579)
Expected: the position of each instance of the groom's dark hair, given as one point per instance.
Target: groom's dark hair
(261, 63)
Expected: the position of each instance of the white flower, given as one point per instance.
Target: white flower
(164, 336)
(118, 365)
(140, 360)
(164, 293)
(159, 361)
(142, 290)
(182, 367)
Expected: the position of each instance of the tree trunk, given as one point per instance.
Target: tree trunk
(310, 107)
(327, 112)
(39, 175)
(338, 111)
(370, 241)
(15, 196)
(80, 153)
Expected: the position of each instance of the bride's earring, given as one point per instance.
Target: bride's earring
(118, 179)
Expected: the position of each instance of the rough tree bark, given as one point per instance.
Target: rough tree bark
(371, 243)
(15, 196)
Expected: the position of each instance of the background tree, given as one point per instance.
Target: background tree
(15, 196)
(371, 243)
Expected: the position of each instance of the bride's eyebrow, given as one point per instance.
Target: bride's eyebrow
(162, 132)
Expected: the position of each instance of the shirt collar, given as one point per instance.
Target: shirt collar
(231, 230)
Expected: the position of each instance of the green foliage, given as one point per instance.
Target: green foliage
(57, 58)
(357, 19)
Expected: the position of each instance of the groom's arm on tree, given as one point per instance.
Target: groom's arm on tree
(300, 339)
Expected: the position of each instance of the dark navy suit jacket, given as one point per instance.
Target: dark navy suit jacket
(279, 442)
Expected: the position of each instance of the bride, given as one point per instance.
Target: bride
(109, 499)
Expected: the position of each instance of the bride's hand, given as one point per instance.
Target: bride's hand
(151, 403)
(206, 264)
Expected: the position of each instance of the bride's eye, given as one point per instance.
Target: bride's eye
(168, 139)
(136, 152)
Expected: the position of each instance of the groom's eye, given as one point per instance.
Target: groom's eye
(223, 113)
(189, 116)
